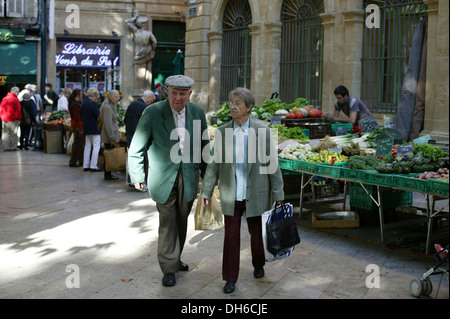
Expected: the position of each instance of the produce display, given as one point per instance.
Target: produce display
(264, 112)
(301, 109)
(57, 117)
(425, 161)
(326, 156)
(441, 174)
(294, 133)
(306, 153)
(363, 162)
(297, 151)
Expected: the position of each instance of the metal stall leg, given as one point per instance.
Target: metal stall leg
(380, 211)
(345, 195)
(301, 196)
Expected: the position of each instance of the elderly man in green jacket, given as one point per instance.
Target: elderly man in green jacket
(171, 133)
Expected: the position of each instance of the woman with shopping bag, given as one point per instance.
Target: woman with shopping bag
(109, 128)
(250, 181)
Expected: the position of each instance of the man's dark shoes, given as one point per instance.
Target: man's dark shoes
(169, 280)
(258, 272)
(74, 165)
(93, 170)
(183, 266)
(110, 177)
(229, 287)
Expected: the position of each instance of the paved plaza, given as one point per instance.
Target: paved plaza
(69, 234)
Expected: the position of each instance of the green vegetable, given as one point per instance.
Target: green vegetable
(285, 133)
(57, 115)
(429, 151)
(388, 158)
(363, 162)
(344, 140)
(223, 114)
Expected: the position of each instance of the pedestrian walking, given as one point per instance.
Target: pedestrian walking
(245, 186)
(76, 124)
(131, 120)
(10, 114)
(90, 112)
(109, 127)
(173, 182)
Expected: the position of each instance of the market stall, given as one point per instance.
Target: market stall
(54, 129)
(378, 169)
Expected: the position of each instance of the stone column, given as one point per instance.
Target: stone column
(353, 41)
(328, 21)
(437, 81)
(271, 62)
(197, 51)
(215, 60)
(256, 63)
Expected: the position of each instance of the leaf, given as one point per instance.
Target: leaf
(127, 279)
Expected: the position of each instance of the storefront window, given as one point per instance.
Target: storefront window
(86, 63)
(82, 78)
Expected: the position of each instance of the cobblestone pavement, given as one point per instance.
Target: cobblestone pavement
(66, 233)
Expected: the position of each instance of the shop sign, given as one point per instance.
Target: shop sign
(3, 79)
(87, 54)
(384, 146)
(12, 35)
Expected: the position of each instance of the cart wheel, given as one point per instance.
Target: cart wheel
(427, 287)
(416, 287)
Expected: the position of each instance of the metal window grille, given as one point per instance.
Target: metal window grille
(15, 8)
(236, 48)
(386, 52)
(301, 61)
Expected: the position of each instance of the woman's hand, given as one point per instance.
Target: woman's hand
(205, 202)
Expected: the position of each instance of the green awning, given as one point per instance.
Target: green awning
(18, 58)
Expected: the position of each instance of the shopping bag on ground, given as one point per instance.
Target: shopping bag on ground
(209, 217)
(280, 233)
(70, 143)
(115, 159)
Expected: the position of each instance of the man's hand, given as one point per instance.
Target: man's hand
(139, 186)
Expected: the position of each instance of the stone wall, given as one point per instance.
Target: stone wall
(343, 22)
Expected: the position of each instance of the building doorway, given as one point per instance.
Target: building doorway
(171, 38)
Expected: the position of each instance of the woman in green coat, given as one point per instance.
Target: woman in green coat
(249, 182)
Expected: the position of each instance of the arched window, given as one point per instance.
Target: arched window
(301, 51)
(386, 52)
(236, 47)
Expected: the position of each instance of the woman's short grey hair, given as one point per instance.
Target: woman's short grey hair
(113, 92)
(67, 91)
(92, 92)
(246, 94)
(162, 90)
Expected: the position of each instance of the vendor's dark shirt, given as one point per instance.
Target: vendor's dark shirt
(353, 105)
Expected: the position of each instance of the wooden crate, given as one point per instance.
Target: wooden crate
(53, 142)
(335, 223)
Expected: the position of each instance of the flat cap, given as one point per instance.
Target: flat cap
(180, 82)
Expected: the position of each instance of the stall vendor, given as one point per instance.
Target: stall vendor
(351, 106)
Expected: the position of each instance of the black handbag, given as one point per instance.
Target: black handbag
(282, 234)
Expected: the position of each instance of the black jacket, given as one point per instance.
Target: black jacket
(28, 106)
(132, 116)
(90, 112)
